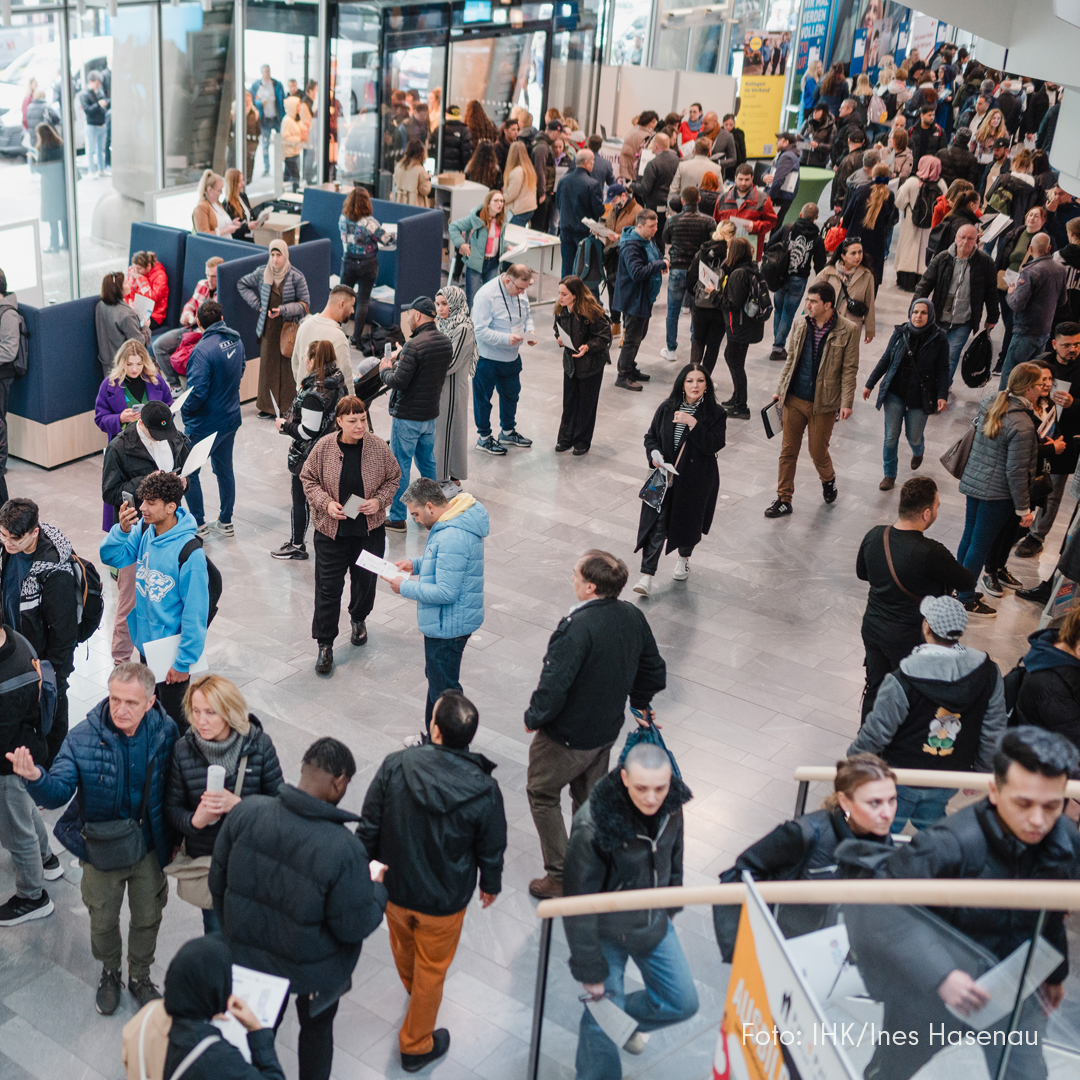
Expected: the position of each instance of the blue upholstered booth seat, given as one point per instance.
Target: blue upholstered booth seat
(414, 269)
(203, 246)
(63, 376)
(168, 245)
(311, 259)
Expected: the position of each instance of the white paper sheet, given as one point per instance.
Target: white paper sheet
(161, 655)
(1012, 277)
(709, 277)
(367, 561)
(263, 993)
(143, 306)
(178, 402)
(273, 401)
(199, 456)
(517, 249)
(743, 227)
(1001, 983)
(234, 1032)
(615, 1024)
(995, 228)
(564, 339)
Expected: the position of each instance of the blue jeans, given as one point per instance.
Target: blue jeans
(522, 219)
(1022, 348)
(569, 242)
(268, 124)
(921, 805)
(786, 302)
(898, 415)
(676, 290)
(475, 278)
(442, 666)
(957, 337)
(411, 439)
(221, 463)
(95, 147)
(504, 374)
(669, 997)
(985, 519)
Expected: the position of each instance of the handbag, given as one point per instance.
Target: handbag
(193, 874)
(835, 237)
(955, 459)
(856, 307)
(116, 845)
(288, 334)
(652, 494)
(650, 736)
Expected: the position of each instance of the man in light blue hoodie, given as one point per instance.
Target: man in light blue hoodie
(450, 593)
(172, 583)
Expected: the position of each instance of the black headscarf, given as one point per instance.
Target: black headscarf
(199, 980)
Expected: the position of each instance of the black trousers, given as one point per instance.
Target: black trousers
(361, 271)
(333, 559)
(60, 722)
(579, 400)
(634, 330)
(998, 555)
(883, 658)
(655, 539)
(542, 217)
(708, 325)
(300, 511)
(315, 1044)
(171, 698)
(735, 358)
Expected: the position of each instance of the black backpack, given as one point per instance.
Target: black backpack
(1012, 683)
(922, 211)
(758, 306)
(21, 363)
(977, 360)
(89, 601)
(213, 575)
(589, 263)
(776, 265)
(933, 241)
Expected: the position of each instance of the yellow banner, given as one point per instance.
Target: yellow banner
(761, 106)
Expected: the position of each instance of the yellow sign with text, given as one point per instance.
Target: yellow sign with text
(760, 109)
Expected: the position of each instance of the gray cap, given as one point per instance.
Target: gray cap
(945, 616)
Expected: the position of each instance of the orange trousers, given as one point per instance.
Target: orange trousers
(423, 947)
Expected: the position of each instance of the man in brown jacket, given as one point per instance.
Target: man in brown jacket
(817, 388)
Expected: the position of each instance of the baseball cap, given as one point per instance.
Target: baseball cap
(157, 418)
(554, 125)
(945, 616)
(615, 190)
(998, 143)
(424, 304)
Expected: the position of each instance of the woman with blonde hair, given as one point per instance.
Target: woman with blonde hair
(237, 204)
(868, 217)
(519, 185)
(862, 806)
(480, 239)
(992, 128)
(133, 381)
(221, 732)
(999, 471)
(814, 70)
(209, 216)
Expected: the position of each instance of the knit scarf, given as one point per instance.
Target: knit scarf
(225, 753)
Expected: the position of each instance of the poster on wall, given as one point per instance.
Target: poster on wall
(923, 35)
(773, 1025)
(815, 26)
(877, 46)
(766, 53)
(761, 93)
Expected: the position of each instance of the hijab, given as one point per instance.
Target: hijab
(929, 167)
(458, 315)
(931, 319)
(199, 980)
(274, 277)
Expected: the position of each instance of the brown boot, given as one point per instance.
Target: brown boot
(887, 483)
(545, 888)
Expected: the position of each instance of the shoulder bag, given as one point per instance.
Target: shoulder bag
(1002, 284)
(288, 333)
(955, 459)
(652, 494)
(117, 845)
(192, 875)
(858, 308)
(892, 569)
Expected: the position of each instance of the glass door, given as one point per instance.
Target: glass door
(354, 93)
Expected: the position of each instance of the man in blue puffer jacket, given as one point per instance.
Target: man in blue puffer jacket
(637, 285)
(214, 370)
(105, 760)
(450, 593)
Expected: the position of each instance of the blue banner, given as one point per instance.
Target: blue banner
(815, 28)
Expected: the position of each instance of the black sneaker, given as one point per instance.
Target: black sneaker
(1039, 595)
(580, 451)
(730, 403)
(266, 416)
(52, 867)
(289, 550)
(626, 383)
(778, 354)
(514, 438)
(108, 992)
(416, 1062)
(639, 376)
(359, 633)
(488, 444)
(737, 412)
(828, 491)
(20, 909)
(778, 509)
(991, 585)
(561, 448)
(1008, 580)
(976, 609)
(144, 990)
(325, 663)
(398, 526)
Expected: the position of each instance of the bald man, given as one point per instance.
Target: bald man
(1034, 299)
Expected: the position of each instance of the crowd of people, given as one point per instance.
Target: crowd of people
(171, 775)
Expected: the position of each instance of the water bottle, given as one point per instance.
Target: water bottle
(215, 778)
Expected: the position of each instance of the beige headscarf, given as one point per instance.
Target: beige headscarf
(271, 276)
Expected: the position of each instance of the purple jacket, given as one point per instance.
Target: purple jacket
(111, 403)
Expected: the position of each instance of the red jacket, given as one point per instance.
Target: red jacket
(153, 285)
(761, 213)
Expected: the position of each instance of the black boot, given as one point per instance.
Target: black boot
(359, 633)
(325, 664)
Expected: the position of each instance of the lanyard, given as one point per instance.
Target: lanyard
(506, 302)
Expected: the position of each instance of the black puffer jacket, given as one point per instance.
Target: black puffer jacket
(457, 146)
(187, 782)
(312, 398)
(127, 461)
(610, 850)
(292, 888)
(595, 334)
(684, 234)
(1049, 695)
(445, 810)
(417, 377)
(959, 163)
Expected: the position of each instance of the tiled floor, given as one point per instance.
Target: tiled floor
(764, 673)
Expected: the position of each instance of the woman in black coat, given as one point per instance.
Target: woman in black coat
(198, 987)
(914, 376)
(706, 306)
(687, 432)
(222, 732)
(581, 322)
(861, 807)
(742, 332)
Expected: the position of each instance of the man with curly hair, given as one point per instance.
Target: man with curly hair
(171, 579)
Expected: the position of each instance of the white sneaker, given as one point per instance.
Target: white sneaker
(682, 569)
(644, 585)
(669, 354)
(413, 740)
(635, 1044)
